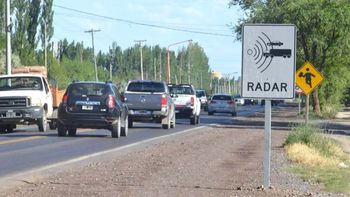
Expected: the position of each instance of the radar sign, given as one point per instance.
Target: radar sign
(268, 61)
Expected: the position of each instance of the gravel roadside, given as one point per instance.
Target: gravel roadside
(212, 161)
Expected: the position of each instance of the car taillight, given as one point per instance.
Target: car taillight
(111, 102)
(65, 99)
(192, 101)
(164, 101)
(230, 102)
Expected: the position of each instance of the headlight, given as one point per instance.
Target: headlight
(36, 102)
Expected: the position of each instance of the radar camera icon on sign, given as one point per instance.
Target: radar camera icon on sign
(263, 51)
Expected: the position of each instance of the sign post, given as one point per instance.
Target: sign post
(268, 71)
(308, 78)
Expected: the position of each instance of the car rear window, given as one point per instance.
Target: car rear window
(145, 87)
(181, 90)
(222, 97)
(200, 93)
(88, 89)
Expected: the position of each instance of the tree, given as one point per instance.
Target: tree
(322, 26)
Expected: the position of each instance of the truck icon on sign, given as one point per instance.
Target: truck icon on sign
(278, 53)
(275, 43)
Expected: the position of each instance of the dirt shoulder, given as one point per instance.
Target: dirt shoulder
(212, 161)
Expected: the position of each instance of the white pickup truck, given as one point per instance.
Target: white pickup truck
(24, 99)
(187, 104)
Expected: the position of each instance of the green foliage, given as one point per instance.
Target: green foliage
(301, 134)
(312, 136)
(334, 179)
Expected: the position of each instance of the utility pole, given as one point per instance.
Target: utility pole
(112, 55)
(92, 31)
(8, 38)
(141, 66)
(45, 47)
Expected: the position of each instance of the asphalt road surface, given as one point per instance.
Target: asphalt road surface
(26, 148)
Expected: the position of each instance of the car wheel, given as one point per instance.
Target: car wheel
(116, 129)
(42, 122)
(210, 113)
(125, 129)
(173, 122)
(166, 123)
(130, 122)
(61, 130)
(72, 132)
(53, 125)
(193, 120)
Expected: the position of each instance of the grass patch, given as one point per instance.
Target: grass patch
(318, 157)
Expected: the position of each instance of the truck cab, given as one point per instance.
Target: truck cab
(24, 99)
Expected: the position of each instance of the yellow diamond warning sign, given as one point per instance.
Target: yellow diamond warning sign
(308, 78)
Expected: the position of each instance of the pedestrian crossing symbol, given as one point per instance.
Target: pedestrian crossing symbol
(308, 78)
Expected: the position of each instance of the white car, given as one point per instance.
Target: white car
(239, 100)
(222, 103)
(187, 104)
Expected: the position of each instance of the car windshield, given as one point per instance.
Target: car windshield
(200, 93)
(222, 97)
(20, 83)
(88, 89)
(146, 87)
(181, 90)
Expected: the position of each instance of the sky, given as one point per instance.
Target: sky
(208, 16)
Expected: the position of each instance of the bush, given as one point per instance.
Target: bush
(303, 133)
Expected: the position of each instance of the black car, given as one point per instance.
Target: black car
(94, 105)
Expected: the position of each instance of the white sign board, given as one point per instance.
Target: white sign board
(268, 61)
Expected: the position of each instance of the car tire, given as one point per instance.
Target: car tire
(173, 122)
(167, 124)
(53, 125)
(193, 120)
(72, 132)
(130, 122)
(198, 120)
(125, 129)
(61, 130)
(42, 122)
(116, 129)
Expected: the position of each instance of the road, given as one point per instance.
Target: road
(26, 148)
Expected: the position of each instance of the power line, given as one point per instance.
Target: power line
(142, 24)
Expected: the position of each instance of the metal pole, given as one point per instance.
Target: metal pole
(307, 108)
(45, 47)
(168, 57)
(93, 49)
(168, 66)
(8, 39)
(299, 104)
(141, 58)
(267, 143)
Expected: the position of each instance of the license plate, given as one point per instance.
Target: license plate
(177, 111)
(142, 112)
(87, 107)
(10, 114)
